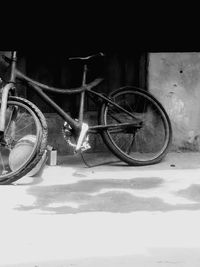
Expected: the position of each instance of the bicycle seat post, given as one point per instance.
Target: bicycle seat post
(83, 94)
(13, 66)
(85, 69)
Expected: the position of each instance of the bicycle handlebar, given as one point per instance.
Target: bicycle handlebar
(7, 59)
(101, 54)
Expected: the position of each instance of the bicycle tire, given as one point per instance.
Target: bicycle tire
(152, 147)
(32, 123)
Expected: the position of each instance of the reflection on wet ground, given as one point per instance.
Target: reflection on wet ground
(192, 192)
(110, 195)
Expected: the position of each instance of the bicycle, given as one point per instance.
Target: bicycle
(132, 122)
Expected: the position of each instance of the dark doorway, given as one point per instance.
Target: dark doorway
(118, 69)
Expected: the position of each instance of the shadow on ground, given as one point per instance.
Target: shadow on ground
(106, 195)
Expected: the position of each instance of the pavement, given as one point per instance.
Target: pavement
(106, 214)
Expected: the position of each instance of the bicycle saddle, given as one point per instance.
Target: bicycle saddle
(88, 58)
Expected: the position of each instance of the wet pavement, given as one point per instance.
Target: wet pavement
(109, 214)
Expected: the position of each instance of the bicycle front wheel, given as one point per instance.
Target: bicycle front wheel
(142, 143)
(25, 139)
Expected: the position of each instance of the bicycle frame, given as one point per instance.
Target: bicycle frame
(39, 87)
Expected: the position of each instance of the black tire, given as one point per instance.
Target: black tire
(138, 146)
(24, 121)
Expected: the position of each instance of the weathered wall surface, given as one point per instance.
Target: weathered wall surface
(174, 78)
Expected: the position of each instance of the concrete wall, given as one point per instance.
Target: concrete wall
(174, 78)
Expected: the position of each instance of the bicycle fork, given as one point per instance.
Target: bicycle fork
(4, 99)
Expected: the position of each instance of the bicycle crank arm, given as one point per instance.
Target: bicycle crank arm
(81, 138)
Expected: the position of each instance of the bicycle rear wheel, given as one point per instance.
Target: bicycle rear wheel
(144, 144)
(25, 139)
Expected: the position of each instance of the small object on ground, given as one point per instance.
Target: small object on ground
(51, 156)
(21, 151)
(172, 165)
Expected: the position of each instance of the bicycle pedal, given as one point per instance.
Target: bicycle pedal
(51, 156)
(85, 146)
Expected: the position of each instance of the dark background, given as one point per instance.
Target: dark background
(118, 68)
